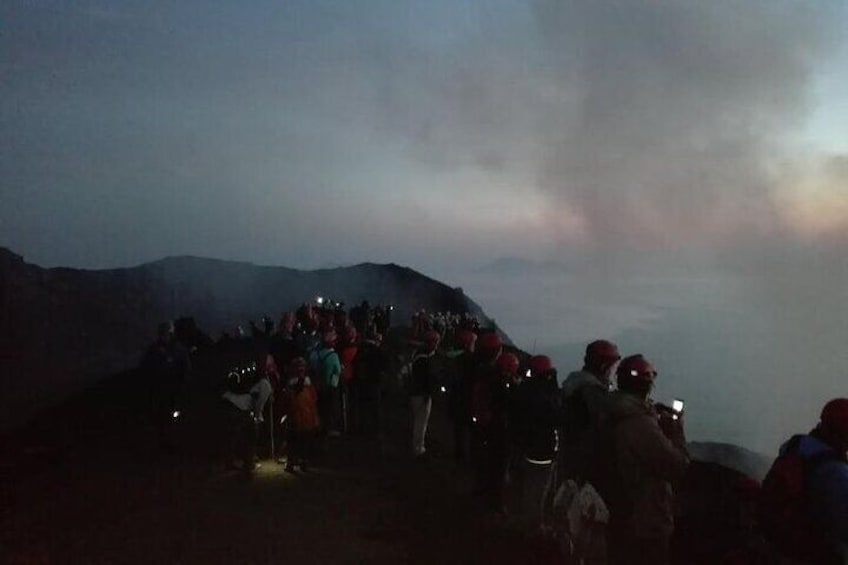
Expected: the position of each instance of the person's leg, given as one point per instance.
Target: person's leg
(416, 424)
(427, 408)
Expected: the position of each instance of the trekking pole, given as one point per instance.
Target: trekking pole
(344, 409)
(271, 419)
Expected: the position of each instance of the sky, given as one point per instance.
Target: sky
(439, 134)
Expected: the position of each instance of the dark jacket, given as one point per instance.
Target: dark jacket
(644, 463)
(423, 376)
(537, 415)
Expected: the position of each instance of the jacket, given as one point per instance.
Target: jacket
(828, 490)
(303, 405)
(644, 465)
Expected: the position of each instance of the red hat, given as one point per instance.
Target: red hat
(636, 369)
(507, 363)
(489, 342)
(834, 417)
(602, 350)
(541, 364)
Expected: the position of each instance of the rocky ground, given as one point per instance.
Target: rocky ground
(76, 492)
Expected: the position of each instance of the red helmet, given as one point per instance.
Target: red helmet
(602, 350)
(834, 417)
(350, 334)
(466, 338)
(636, 369)
(432, 337)
(507, 363)
(489, 342)
(541, 364)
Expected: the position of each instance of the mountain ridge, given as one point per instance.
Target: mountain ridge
(62, 329)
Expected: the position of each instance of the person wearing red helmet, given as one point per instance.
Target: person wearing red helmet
(640, 453)
(326, 369)
(537, 405)
(489, 417)
(463, 371)
(820, 535)
(584, 394)
(423, 379)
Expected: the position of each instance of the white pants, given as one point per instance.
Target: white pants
(420, 407)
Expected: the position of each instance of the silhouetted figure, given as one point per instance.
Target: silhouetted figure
(804, 501)
(423, 382)
(326, 370)
(641, 451)
(489, 412)
(370, 365)
(166, 367)
(303, 420)
(584, 397)
(459, 394)
(247, 389)
(536, 416)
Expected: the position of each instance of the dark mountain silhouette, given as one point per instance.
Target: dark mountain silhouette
(63, 329)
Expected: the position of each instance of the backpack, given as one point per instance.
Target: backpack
(575, 417)
(603, 473)
(784, 512)
(316, 365)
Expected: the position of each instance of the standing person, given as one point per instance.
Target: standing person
(347, 357)
(641, 452)
(489, 410)
(327, 369)
(459, 399)
(166, 366)
(537, 413)
(804, 501)
(422, 386)
(303, 416)
(584, 395)
(370, 366)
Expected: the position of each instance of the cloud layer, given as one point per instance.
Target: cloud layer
(314, 133)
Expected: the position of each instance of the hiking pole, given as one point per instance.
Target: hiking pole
(344, 409)
(271, 420)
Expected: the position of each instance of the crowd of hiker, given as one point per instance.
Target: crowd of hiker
(590, 461)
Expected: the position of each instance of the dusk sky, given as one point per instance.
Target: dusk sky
(436, 134)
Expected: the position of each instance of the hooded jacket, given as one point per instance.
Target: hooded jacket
(584, 408)
(644, 462)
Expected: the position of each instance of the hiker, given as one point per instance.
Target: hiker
(488, 408)
(459, 394)
(537, 413)
(347, 355)
(303, 421)
(584, 394)
(421, 388)
(640, 452)
(804, 501)
(326, 369)
(282, 344)
(243, 387)
(166, 366)
(370, 365)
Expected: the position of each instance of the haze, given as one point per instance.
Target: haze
(660, 138)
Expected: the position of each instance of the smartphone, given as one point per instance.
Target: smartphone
(677, 405)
